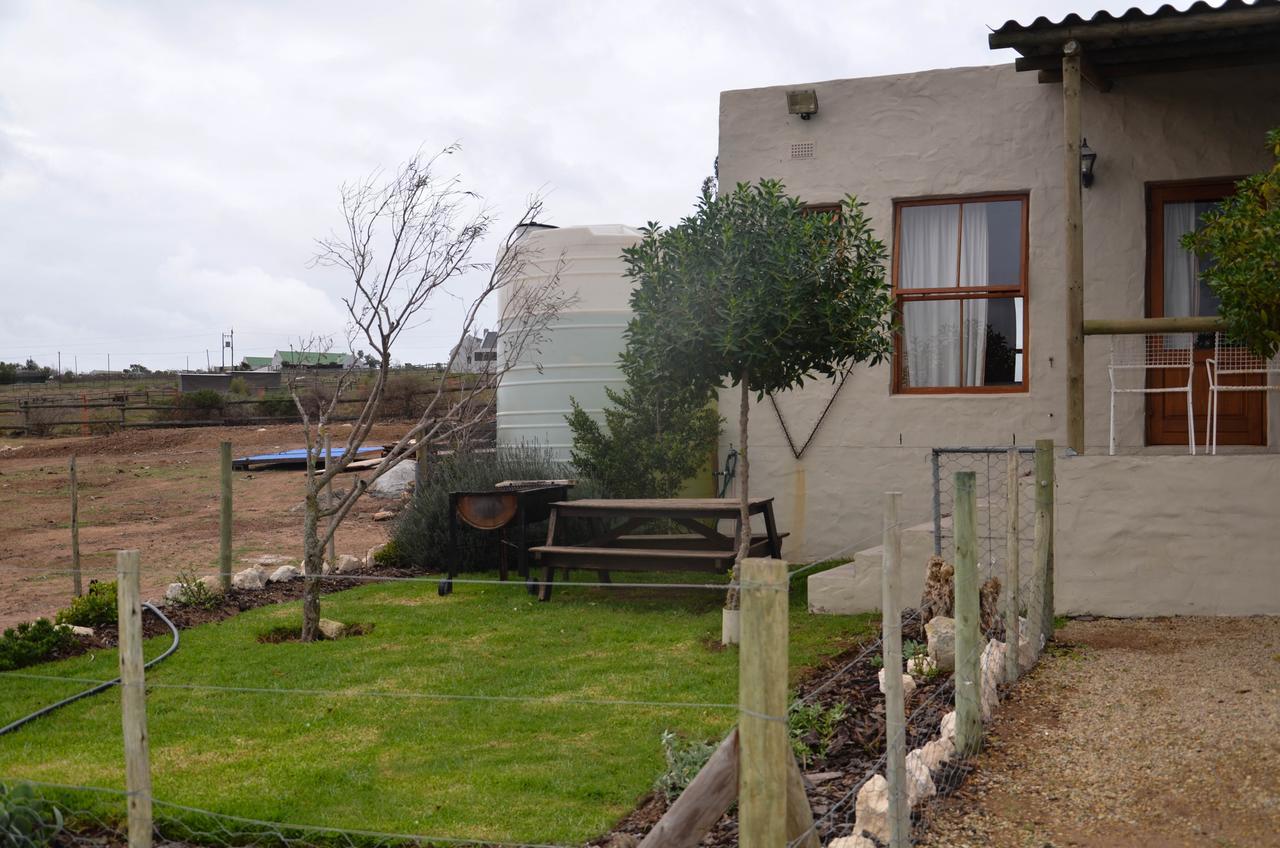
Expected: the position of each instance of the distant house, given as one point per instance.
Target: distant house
(310, 359)
(474, 353)
(257, 363)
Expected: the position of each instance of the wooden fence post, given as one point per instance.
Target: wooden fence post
(762, 696)
(133, 699)
(1013, 553)
(1044, 505)
(968, 635)
(75, 531)
(895, 721)
(224, 549)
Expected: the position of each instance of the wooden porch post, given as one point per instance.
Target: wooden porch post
(1075, 244)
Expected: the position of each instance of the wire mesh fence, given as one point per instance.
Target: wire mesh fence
(996, 505)
(840, 808)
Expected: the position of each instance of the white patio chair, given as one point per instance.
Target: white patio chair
(1135, 356)
(1233, 360)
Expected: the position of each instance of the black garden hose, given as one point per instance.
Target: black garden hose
(100, 687)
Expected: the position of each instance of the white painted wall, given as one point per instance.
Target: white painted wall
(966, 131)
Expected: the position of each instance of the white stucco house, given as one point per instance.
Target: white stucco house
(972, 176)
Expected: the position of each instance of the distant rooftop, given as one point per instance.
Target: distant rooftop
(307, 357)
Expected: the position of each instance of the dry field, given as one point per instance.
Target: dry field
(154, 490)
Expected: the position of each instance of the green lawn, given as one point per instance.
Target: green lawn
(482, 770)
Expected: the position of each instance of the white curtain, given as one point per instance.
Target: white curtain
(974, 271)
(1181, 274)
(931, 329)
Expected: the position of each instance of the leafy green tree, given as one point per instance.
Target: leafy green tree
(1243, 236)
(8, 372)
(754, 290)
(655, 436)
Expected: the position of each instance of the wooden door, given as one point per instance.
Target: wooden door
(1175, 287)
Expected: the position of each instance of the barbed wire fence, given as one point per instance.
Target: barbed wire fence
(98, 815)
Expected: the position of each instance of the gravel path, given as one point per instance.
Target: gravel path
(1158, 732)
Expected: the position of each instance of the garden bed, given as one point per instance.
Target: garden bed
(852, 754)
(232, 602)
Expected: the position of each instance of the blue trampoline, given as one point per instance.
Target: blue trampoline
(296, 458)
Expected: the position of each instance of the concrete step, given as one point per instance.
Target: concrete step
(855, 586)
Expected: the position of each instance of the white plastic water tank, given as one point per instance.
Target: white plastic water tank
(579, 356)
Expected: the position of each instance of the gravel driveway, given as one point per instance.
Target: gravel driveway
(1144, 733)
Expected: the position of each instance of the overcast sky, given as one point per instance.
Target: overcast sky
(165, 167)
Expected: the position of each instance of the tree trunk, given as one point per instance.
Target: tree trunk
(744, 498)
(312, 567)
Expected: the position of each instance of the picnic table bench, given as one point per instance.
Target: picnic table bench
(703, 548)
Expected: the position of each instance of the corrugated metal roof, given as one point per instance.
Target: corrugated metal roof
(1133, 15)
(1202, 35)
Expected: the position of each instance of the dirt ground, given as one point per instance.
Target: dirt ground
(154, 490)
(1160, 732)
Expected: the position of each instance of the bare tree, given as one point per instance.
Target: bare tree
(403, 239)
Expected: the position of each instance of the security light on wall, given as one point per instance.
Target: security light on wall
(802, 102)
(1087, 158)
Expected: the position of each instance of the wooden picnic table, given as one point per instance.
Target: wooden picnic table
(703, 548)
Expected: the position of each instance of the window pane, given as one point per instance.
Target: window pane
(930, 239)
(991, 250)
(971, 342)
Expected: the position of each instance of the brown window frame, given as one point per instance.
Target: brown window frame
(991, 292)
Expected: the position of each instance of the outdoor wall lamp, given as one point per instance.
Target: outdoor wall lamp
(802, 102)
(1087, 158)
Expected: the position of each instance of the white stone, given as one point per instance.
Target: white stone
(174, 592)
(81, 631)
(348, 564)
(919, 781)
(936, 752)
(212, 582)
(395, 480)
(858, 841)
(284, 574)
(872, 809)
(250, 578)
(947, 727)
(371, 558)
(332, 629)
(921, 665)
(908, 685)
(941, 633)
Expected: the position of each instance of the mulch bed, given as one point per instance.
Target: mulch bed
(832, 780)
(229, 603)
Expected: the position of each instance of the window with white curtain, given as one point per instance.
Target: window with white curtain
(960, 279)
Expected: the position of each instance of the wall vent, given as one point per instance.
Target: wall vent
(802, 150)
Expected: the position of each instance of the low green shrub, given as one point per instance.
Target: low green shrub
(685, 758)
(420, 538)
(278, 406)
(388, 555)
(94, 608)
(200, 405)
(26, 819)
(238, 386)
(33, 642)
(193, 593)
(812, 727)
